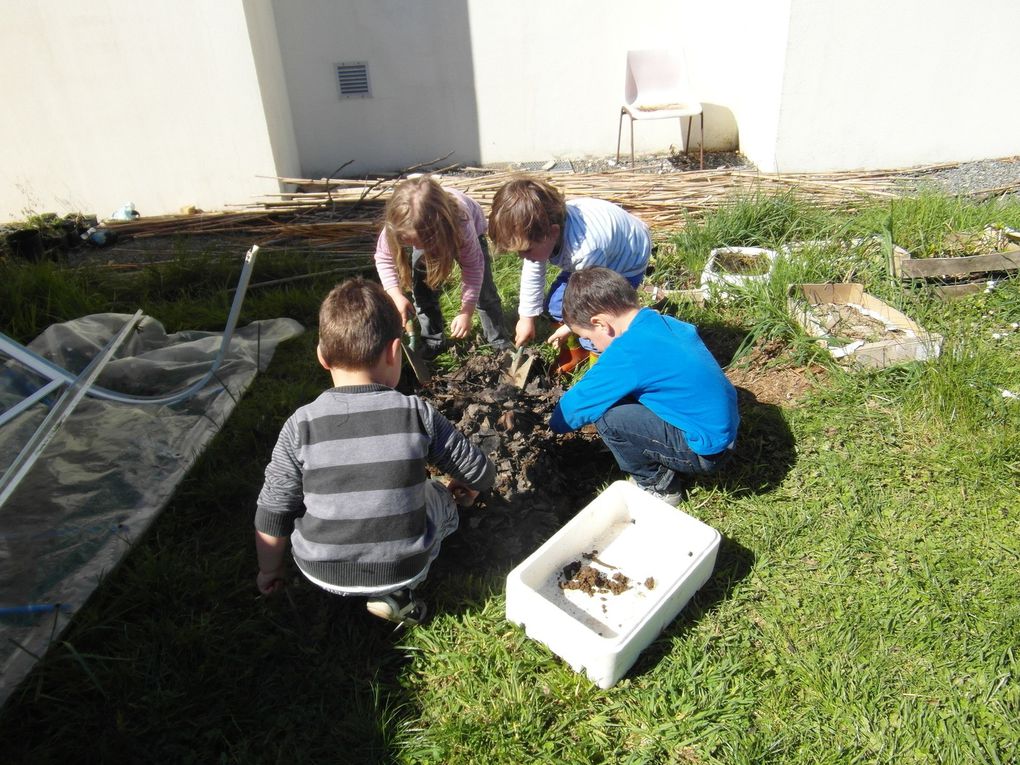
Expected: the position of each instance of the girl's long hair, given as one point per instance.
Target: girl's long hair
(419, 208)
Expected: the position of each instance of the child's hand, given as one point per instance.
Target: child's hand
(463, 495)
(404, 306)
(525, 331)
(269, 582)
(556, 338)
(461, 325)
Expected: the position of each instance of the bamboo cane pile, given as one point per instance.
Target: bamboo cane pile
(664, 201)
(344, 214)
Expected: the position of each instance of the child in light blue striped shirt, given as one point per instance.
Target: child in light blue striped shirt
(531, 217)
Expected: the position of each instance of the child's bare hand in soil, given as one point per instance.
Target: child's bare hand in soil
(557, 337)
(461, 325)
(463, 495)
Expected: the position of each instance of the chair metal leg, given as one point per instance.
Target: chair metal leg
(687, 143)
(619, 134)
(632, 142)
(702, 140)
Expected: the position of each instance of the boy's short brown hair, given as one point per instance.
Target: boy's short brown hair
(357, 320)
(596, 290)
(524, 210)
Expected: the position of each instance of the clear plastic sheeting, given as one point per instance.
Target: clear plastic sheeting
(111, 466)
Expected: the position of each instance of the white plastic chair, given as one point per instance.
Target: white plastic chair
(657, 89)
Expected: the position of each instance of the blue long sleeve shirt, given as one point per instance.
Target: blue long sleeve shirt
(663, 364)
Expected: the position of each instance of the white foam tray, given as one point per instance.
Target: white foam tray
(642, 537)
(714, 275)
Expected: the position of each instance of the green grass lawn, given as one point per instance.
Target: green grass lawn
(864, 605)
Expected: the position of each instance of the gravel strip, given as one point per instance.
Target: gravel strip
(980, 178)
(973, 178)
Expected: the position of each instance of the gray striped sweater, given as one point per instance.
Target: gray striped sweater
(347, 480)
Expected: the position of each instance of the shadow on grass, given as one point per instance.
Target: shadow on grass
(765, 451)
(177, 658)
(211, 673)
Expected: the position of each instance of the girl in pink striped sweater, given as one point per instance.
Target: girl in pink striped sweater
(426, 230)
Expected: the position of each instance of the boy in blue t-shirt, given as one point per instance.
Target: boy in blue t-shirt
(657, 396)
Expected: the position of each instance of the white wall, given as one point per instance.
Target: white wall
(169, 103)
(489, 81)
(737, 51)
(272, 84)
(877, 84)
(157, 103)
(549, 77)
(420, 73)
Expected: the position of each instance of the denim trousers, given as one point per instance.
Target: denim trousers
(426, 303)
(649, 448)
(554, 300)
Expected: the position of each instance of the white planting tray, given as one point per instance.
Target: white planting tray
(715, 275)
(629, 532)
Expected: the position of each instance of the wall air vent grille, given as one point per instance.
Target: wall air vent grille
(352, 80)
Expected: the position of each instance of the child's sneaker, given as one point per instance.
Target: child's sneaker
(399, 606)
(670, 498)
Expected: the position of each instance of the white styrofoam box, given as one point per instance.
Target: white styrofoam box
(715, 274)
(628, 531)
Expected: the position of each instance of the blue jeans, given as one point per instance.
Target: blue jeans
(554, 300)
(430, 317)
(650, 449)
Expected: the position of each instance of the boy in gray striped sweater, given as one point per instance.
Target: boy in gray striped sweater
(348, 484)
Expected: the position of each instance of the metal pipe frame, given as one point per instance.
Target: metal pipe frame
(61, 410)
(83, 384)
(59, 376)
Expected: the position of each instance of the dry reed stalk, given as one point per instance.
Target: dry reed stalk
(664, 201)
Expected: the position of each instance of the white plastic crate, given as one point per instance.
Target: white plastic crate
(716, 274)
(627, 531)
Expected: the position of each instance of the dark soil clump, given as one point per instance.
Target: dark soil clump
(542, 478)
(579, 576)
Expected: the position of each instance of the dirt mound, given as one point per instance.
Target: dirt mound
(542, 478)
